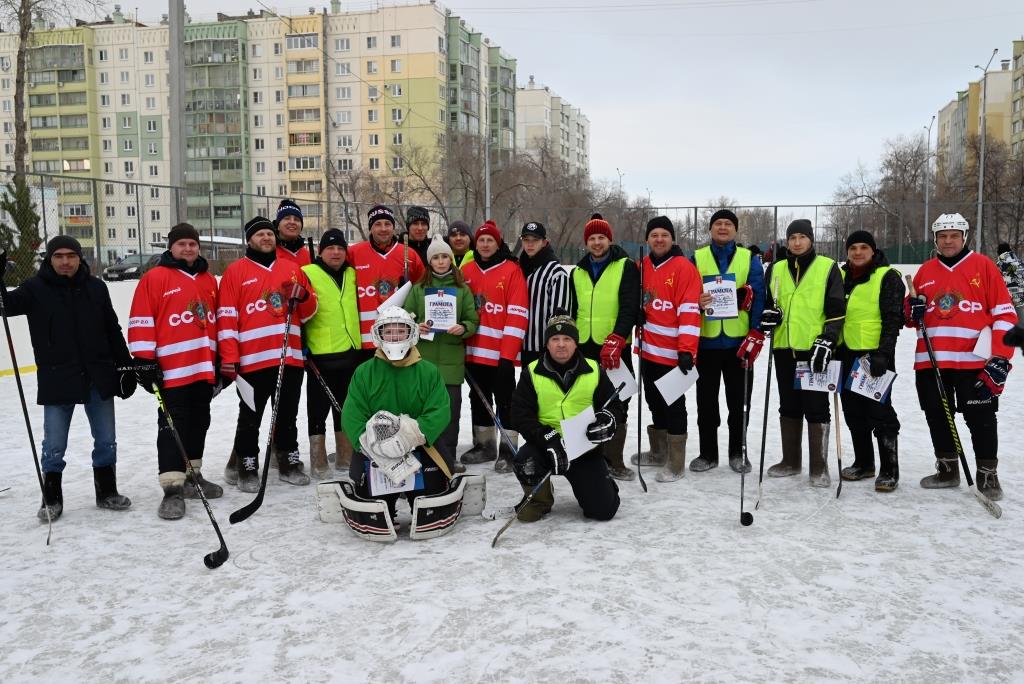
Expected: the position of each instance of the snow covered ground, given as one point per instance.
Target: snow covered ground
(910, 586)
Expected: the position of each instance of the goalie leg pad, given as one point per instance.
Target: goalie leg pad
(328, 502)
(434, 516)
(367, 518)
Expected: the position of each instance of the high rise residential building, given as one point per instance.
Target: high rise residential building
(467, 78)
(546, 120)
(1017, 100)
(501, 82)
(965, 119)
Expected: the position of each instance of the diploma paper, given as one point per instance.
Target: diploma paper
(622, 375)
(863, 383)
(439, 307)
(818, 382)
(674, 384)
(574, 433)
(722, 289)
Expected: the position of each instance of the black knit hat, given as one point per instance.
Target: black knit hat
(379, 212)
(561, 323)
(861, 237)
(534, 229)
(724, 214)
(333, 237)
(288, 207)
(182, 231)
(417, 214)
(802, 226)
(256, 224)
(63, 242)
(460, 227)
(660, 222)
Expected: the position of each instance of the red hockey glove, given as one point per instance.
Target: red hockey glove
(294, 291)
(745, 298)
(611, 351)
(750, 348)
(913, 310)
(992, 378)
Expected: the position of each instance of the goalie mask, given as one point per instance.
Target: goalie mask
(950, 222)
(395, 333)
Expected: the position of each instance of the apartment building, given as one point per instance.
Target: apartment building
(546, 119)
(965, 118)
(1017, 99)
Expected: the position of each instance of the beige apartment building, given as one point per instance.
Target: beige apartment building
(545, 118)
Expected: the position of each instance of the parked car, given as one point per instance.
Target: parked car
(131, 267)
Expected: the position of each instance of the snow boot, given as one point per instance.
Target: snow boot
(105, 481)
(210, 490)
(987, 478)
(738, 462)
(817, 454)
(792, 430)
(343, 452)
(231, 469)
(248, 474)
(707, 459)
(506, 455)
(703, 464)
(658, 453)
(863, 455)
(289, 464)
(540, 505)
(485, 446)
(318, 465)
(675, 465)
(173, 505)
(53, 497)
(612, 450)
(947, 473)
(888, 458)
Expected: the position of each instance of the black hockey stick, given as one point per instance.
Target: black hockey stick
(323, 384)
(839, 440)
(254, 505)
(640, 382)
(746, 518)
(767, 397)
(215, 559)
(547, 476)
(24, 407)
(990, 505)
(487, 405)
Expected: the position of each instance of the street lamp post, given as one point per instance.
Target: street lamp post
(981, 162)
(621, 174)
(927, 180)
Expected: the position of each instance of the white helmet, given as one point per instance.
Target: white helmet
(395, 332)
(950, 222)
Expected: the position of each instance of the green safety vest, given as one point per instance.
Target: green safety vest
(598, 302)
(554, 405)
(740, 267)
(335, 326)
(803, 303)
(862, 328)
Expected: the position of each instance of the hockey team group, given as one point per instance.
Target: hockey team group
(386, 332)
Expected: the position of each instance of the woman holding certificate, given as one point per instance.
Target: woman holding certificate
(443, 304)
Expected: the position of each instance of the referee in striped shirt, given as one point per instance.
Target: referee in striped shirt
(547, 283)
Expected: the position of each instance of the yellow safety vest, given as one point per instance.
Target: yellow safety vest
(862, 328)
(740, 267)
(554, 405)
(802, 302)
(598, 302)
(335, 326)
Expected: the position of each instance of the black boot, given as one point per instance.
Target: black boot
(53, 497)
(863, 455)
(173, 505)
(105, 481)
(947, 473)
(817, 450)
(792, 437)
(987, 478)
(248, 468)
(707, 459)
(888, 458)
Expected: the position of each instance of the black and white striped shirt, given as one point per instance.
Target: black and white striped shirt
(548, 287)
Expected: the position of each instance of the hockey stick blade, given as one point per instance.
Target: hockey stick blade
(217, 558)
(990, 505)
(5, 489)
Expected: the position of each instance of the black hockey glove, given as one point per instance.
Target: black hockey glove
(126, 382)
(915, 310)
(603, 428)
(148, 374)
(685, 362)
(527, 468)
(992, 378)
(821, 354)
(555, 452)
(878, 363)
(1014, 337)
(771, 319)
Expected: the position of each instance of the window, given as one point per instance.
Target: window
(303, 163)
(371, 67)
(151, 125)
(104, 100)
(342, 68)
(111, 235)
(303, 66)
(345, 141)
(396, 89)
(257, 97)
(371, 42)
(283, 190)
(440, 44)
(126, 122)
(107, 145)
(110, 212)
(372, 116)
(372, 92)
(261, 167)
(311, 90)
(154, 216)
(129, 167)
(278, 96)
(258, 144)
(302, 40)
(278, 72)
(396, 41)
(257, 121)
(344, 117)
(277, 48)
(152, 148)
(374, 164)
(5, 83)
(103, 55)
(440, 115)
(147, 57)
(304, 139)
(342, 45)
(396, 66)
(108, 167)
(343, 93)
(281, 168)
(279, 119)
(8, 126)
(396, 115)
(125, 76)
(128, 145)
(346, 164)
(311, 186)
(149, 80)
(396, 139)
(150, 103)
(105, 122)
(154, 193)
(255, 50)
(131, 211)
(261, 190)
(155, 235)
(132, 233)
(126, 100)
(154, 170)
(396, 164)
(373, 140)
(257, 74)
(122, 54)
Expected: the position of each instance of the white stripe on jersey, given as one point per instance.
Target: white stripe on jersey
(186, 371)
(187, 345)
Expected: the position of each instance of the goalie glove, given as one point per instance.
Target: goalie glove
(389, 441)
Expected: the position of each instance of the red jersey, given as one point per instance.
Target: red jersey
(300, 257)
(378, 276)
(251, 310)
(671, 312)
(962, 301)
(173, 320)
(501, 298)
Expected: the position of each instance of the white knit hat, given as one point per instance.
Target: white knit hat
(439, 246)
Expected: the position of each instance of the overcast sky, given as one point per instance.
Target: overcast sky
(765, 101)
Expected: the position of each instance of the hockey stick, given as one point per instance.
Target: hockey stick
(487, 405)
(640, 382)
(839, 441)
(767, 397)
(254, 505)
(746, 518)
(215, 559)
(323, 384)
(547, 476)
(990, 505)
(405, 259)
(24, 406)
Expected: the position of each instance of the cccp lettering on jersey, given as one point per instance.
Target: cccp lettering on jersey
(662, 305)
(490, 307)
(258, 305)
(368, 291)
(187, 317)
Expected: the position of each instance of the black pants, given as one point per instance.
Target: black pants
(337, 376)
(189, 406)
(594, 489)
(794, 403)
(434, 481)
(592, 351)
(671, 417)
(448, 442)
(495, 388)
(713, 366)
(247, 433)
(979, 415)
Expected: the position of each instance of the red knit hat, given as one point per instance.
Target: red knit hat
(489, 228)
(597, 226)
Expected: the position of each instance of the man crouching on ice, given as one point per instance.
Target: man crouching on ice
(560, 385)
(396, 405)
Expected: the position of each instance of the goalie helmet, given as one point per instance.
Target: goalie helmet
(950, 222)
(395, 333)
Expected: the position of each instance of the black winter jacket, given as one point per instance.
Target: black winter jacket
(629, 291)
(890, 301)
(75, 334)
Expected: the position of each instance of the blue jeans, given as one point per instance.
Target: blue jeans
(57, 422)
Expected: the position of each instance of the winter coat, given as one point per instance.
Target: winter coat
(890, 301)
(75, 335)
(447, 352)
(835, 296)
(629, 291)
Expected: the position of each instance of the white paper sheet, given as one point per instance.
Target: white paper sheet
(818, 382)
(574, 433)
(674, 384)
(622, 375)
(863, 383)
(983, 347)
(245, 392)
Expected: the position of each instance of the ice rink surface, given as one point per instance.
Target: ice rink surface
(916, 585)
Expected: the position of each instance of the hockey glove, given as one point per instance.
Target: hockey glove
(555, 451)
(603, 428)
(821, 354)
(611, 351)
(771, 319)
(126, 382)
(745, 298)
(992, 378)
(529, 471)
(294, 291)
(391, 437)
(914, 309)
(750, 348)
(506, 374)
(878, 363)
(229, 371)
(685, 362)
(1014, 337)
(148, 374)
